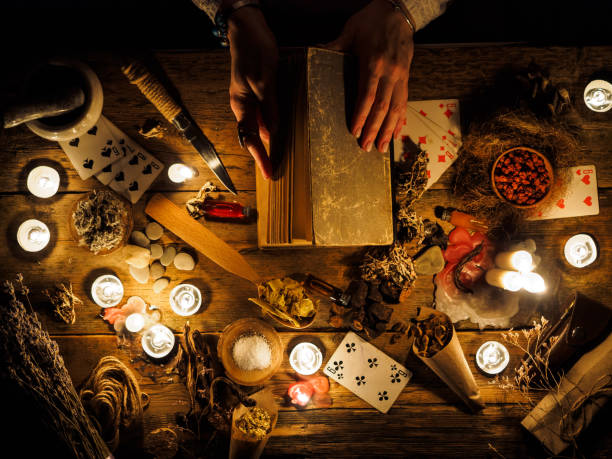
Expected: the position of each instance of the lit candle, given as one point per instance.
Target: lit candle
(33, 235)
(598, 95)
(508, 280)
(185, 299)
(135, 322)
(305, 358)
(107, 291)
(300, 393)
(519, 260)
(157, 341)
(580, 250)
(178, 173)
(43, 181)
(492, 357)
(533, 283)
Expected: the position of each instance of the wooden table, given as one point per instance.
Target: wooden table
(427, 419)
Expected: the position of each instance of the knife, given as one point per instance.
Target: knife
(138, 74)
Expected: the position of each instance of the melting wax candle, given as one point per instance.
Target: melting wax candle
(158, 341)
(178, 172)
(107, 291)
(43, 181)
(492, 357)
(580, 250)
(306, 358)
(519, 260)
(598, 95)
(533, 283)
(508, 280)
(135, 322)
(185, 299)
(33, 235)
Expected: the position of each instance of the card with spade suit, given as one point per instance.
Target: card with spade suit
(580, 199)
(134, 173)
(435, 126)
(367, 372)
(92, 151)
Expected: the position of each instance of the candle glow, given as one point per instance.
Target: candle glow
(43, 181)
(519, 260)
(492, 357)
(306, 358)
(508, 280)
(580, 250)
(533, 283)
(178, 172)
(158, 341)
(185, 299)
(33, 235)
(107, 291)
(135, 322)
(598, 95)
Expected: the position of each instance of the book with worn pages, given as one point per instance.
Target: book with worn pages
(326, 191)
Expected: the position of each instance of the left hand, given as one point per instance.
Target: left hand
(382, 40)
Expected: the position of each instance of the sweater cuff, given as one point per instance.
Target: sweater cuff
(424, 11)
(210, 7)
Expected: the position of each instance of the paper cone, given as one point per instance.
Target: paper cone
(582, 392)
(243, 446)
(450, 365)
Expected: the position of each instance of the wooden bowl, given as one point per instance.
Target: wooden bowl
(547, 165)
(246, 327)
(128, 223)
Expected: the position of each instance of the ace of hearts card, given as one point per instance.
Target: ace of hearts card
(367, 372)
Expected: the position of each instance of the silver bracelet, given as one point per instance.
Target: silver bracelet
(399, 8)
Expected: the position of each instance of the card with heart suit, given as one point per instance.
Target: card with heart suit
(580, 199)
(367, 372)
(433, 125)
(134, 173)
(93, 151)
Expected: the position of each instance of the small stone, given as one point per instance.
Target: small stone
(154, 231)
(156, 251)
(136, 256)
(184, 262)
(157, 270)
(160, 284)
(141, 275)
(139, 238)
(168, 256)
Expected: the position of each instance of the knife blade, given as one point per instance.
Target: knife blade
(138, 74)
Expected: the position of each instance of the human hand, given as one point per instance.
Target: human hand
(253, 82)
(382, 40)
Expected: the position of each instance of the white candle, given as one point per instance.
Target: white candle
(598, 95)
(519, 260)
(107, 291)
(33, 235)
(157, 341)
(508, 280)
(580, 250)
(135, 322)
(185, 299)
(306, 358)
(178, 172)
(492, 357)
(43, 181)
(533, 283)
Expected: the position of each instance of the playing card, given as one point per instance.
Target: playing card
(434, 127)
(93, 151)
(367, 372)
(137, 169)
(106, 175)
(580, 199)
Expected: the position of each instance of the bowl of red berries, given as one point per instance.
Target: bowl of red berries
(522, 177)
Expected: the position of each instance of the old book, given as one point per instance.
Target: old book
(326, 191)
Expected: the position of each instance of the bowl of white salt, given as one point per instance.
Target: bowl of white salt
(251, 351)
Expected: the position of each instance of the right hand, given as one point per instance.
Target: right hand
(253, 81)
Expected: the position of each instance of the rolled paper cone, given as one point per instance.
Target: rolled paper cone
(451, 366)
(582, 392)
(243, 446)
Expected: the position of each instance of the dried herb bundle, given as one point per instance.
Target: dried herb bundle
(63, 301)
(112, 396)
(33, 372)
(389, 263)
(195, 205)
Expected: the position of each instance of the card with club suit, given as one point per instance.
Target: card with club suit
(367, 372)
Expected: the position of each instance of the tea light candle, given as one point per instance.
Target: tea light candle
(185, 299)
(492, 357)
(598, 95)
(107, 291)
(519, 260)
(135, 322)
(508, 280)
(43, 181)
(157, 341)
(580, 250)
(305, 358)
(178, 172)
(33, 235)
(300, 393)
(533, 283)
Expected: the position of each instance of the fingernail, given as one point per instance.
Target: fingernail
(368, 146)
(385, 147)
(357, 134)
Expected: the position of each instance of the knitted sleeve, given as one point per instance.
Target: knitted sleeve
(425, 11)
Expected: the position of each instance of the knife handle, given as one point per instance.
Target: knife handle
(152, 89)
